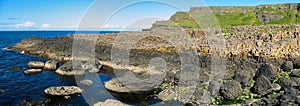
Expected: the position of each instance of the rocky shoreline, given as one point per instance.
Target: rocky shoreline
(262, 65)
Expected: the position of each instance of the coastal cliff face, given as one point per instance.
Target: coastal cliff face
(228, 16)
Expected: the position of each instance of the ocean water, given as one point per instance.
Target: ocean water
(16, 87)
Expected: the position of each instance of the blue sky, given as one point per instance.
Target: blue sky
(95, 14)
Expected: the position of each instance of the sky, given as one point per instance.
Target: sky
(101, 14)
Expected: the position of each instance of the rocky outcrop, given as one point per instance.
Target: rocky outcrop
(63, 90)
(35, 64)
(51, 65)
(67, 68)
(32, 71)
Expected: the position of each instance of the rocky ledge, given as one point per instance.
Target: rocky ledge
(63, 90)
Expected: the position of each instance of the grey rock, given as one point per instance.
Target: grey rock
(295, 73)
(129, 84)
(110, 102)
(262, 85)
(286, 83)
(297, 63)
(287, 66)
(35, 64)
(214, 88)
(267, 70)
(276, 87)
(86, 82)
(167, 95)
(51, 65)
(231, 89)
(67, 68)
(32, 71)
(243, 78)
(63, 90)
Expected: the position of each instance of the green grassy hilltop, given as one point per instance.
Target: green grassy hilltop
(228, 16)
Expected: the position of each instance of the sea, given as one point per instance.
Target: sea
(16, 88)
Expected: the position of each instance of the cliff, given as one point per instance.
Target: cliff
(228, 16)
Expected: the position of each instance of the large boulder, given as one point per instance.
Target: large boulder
(51, 65)
(287, 66)
(110, 102)
(32, 71)
(231, 89)
(67, 68)
(35, 64)
(129, 84)
(243, 77)
(63, 90)
(267, 70)
(262, 85)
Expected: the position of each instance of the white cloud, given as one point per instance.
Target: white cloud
(25, 24)
(45, 26)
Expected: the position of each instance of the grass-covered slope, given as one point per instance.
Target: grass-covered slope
(228, 16)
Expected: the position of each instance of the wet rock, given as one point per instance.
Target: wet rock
(86, 82)
(166, 95)
(286, 83)
(32, 71)
(15, 68)
(267, 70)
(295, 73)
(67, 97)
(35, 64)
(262, 85)
(63, 90)
(110, 102)
(51, 65)
(231, 89)
(276, 87)
(2, 91)
(287, 66)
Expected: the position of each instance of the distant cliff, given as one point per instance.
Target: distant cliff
(228, 16)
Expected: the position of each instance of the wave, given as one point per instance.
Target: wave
(5, 48)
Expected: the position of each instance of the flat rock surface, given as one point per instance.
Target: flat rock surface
(32, 71)
(35, 64)
(51, 65)
(63, 90)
